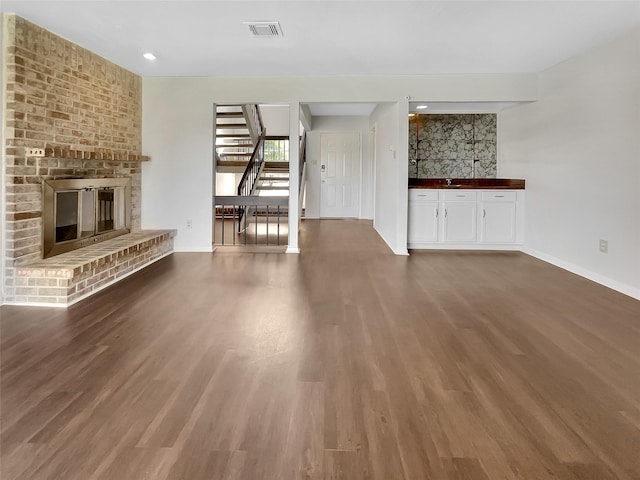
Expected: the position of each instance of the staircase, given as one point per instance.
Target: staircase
(273, 180)
(238, 130)
(257, 214)
(236, 138)
(259, 218)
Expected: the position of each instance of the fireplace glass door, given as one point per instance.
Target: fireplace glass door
(120, 212)
(81, 212)
(105, 214)
(67, 210)
(89, 212)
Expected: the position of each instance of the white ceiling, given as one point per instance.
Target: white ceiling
(208, 37)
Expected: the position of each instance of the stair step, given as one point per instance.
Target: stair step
(229, 115)
(238, 126)
(233, 135)
(234, 145)
(232, 163)
(276, 167)
(271, 187)
(274, 179)
(235, 154)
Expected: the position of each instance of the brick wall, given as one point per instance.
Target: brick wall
(82, 109)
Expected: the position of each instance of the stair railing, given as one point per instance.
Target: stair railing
(250, 220)
(253, 119)
(252, 171)
(303, 156)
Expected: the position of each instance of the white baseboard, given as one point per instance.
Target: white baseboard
(397, 252)
(292, 250)
(479, 246)
(37, 305)
(382, 237)
(583, 272)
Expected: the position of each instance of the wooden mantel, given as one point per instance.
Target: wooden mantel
(59, 152)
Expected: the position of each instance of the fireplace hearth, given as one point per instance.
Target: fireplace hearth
(81, 212)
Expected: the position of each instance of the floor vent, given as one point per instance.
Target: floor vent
(264, 29)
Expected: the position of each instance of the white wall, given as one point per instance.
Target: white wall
(177, 183)
(227, 183)
(275, 119)
(390, 217)
(177, 120)
(578, 149)
(336, 125)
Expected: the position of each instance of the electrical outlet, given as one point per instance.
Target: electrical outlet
(33, 152)
(189, 224)
(604, 246)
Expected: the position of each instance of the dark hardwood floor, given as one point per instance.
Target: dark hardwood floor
(343, 362)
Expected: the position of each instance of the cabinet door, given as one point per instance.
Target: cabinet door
(460, 222)
(423, 222)
(499, 222)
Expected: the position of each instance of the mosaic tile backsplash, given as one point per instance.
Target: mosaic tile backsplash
(452, 146)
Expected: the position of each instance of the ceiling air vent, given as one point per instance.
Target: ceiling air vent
(264, 29)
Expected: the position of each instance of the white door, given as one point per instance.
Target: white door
(340, 175)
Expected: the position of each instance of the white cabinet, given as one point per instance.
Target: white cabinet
(459, 216)
(423, 222)
(465, 219)
(423, 216)
(498, 222)
(460, 222)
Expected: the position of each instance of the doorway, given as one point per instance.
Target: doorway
(340, 172)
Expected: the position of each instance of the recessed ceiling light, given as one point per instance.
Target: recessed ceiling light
(149, 56)
(421, 107)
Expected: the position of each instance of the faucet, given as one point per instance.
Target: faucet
(448, 182)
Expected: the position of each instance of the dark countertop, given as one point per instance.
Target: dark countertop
(468, 183)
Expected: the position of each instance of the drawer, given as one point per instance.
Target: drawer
(423, 195)
(499, 196)
(460, 196)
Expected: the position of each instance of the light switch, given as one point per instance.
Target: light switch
(604, 246)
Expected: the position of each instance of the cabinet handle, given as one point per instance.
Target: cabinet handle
(484, 213)
(445, 213)
(436, 213)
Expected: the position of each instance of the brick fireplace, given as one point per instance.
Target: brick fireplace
(85, 113)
